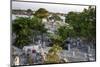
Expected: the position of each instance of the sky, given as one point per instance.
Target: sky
(88, 2)
(50, 7)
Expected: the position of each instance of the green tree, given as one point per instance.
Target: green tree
(65, 31)
(89, 19)
(53, 54)
(38, 27)
(22, 30)
(56, 39)
(73, 18)
(41, 13)
(26, 29)
(83, 23)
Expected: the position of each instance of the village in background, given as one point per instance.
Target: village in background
(44, 37)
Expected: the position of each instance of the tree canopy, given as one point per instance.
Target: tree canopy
(41, 13)
(21, 27)
(25, 29)
(84, 23)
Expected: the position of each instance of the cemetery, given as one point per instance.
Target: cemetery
(44, 37)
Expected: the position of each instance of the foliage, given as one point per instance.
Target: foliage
(52, 56)
(83, 23)
(65, 31)
(38, 25)
(41, 13)
(89, 27)
(25, 29)
(22, 30)
(55, 48)
(56, 39)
